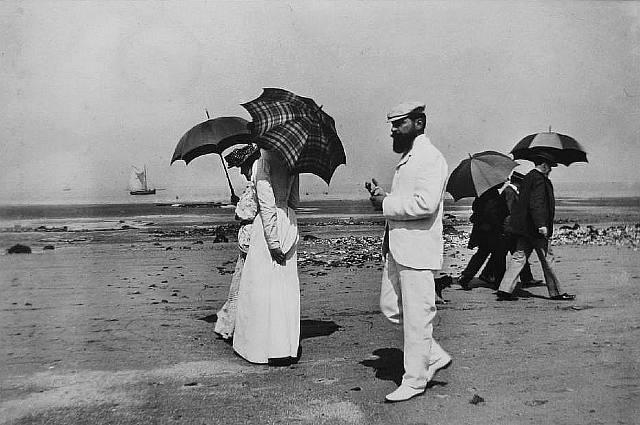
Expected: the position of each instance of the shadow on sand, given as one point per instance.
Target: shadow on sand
(479, 283)
(389, 366)
(309, 328)
(522, 293)
(212, 318)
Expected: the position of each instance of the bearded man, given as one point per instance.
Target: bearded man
(413, 246)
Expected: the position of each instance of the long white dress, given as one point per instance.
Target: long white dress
(268, 315)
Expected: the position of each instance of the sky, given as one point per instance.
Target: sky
(90, 89)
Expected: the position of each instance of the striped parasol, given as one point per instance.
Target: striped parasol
(479, 173)
(299, 130)
(562, 148)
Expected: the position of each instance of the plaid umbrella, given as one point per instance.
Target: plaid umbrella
(479, 173)
(562, 148)
(299, 130)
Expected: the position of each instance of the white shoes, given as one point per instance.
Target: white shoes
(442, 363)
(405, 392)
(402, 393)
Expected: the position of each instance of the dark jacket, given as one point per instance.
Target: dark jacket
(534, 208)
(489, 212)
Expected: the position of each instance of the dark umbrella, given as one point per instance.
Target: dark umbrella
(299, 130)
(213, 136)
(562, 148)
(478, 173)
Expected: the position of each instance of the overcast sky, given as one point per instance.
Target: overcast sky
(91, 88)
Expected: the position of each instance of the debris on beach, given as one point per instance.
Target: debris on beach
(535, 402)
(220, 237)
(52, 229)
(476, 399)
(621, 235)
(222, 229)
(19, 249)
(359, 251)
(347, 251)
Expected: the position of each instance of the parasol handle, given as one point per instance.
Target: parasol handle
(234, 197)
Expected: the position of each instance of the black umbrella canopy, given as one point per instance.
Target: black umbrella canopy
(562, 148)
(211, 136)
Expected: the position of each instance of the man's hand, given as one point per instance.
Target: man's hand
(376, 193)
(373, 188)
(543, 231)
(277, 255)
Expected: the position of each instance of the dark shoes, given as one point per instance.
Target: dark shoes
(563, 297)
(285, 361)
(463, 281)
(442, 283)
(488, 279)
(506, 296)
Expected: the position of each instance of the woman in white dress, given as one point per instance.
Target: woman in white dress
(268, 310)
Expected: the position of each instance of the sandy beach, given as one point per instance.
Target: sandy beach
(114, 325)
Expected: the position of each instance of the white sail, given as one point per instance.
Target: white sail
(137, 180)
(138, 183)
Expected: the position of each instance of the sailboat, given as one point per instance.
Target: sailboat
(138, 183)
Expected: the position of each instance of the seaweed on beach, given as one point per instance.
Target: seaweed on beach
(622, 235)
(358, 251)
(347, 251)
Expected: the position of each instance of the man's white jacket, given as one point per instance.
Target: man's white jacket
(414, 207)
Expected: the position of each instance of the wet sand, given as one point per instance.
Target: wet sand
(116, 327)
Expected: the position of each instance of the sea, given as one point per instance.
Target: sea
(88, 216)
(105, 215)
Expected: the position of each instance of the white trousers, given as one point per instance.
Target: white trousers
(408, 297)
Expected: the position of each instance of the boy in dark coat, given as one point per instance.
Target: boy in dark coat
(489, 212)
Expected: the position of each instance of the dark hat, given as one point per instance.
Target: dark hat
(516, 177)
(544, 157)
(238, 156)
(404, 110)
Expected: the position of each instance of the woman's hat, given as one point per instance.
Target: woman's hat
(516, 177)
(544, 157)
(240, 155)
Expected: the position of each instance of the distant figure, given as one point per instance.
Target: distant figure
(413, 246)
(268, 316)
(532, 222)
(489, 212)
(246, 211)
(511, 193)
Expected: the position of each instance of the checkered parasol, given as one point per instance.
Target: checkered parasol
(299, 130)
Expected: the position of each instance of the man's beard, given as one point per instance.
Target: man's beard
(402, 142)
